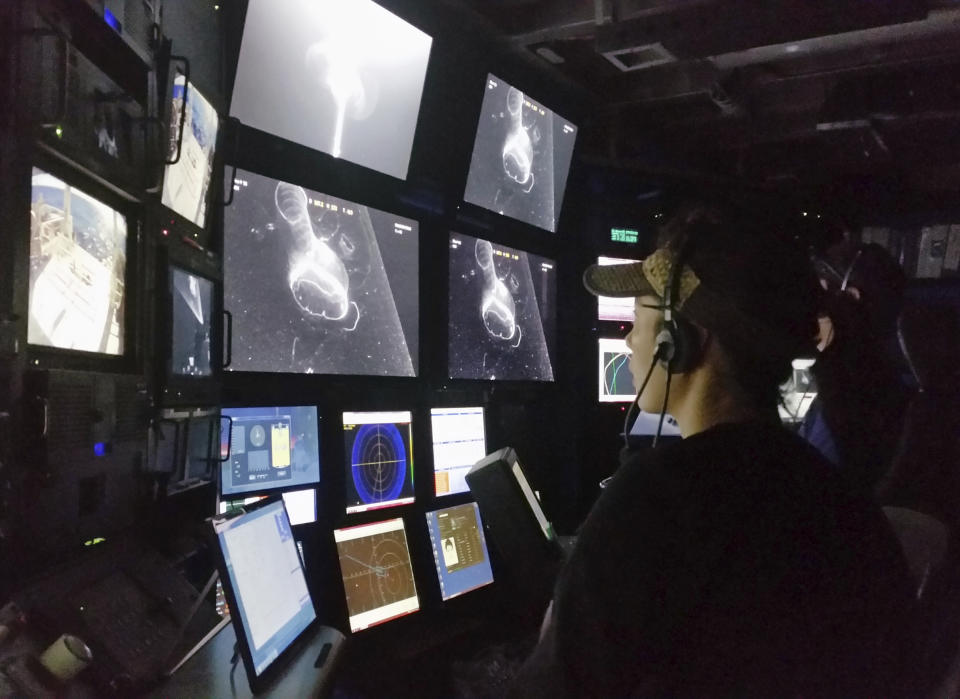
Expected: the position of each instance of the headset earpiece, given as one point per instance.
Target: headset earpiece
(678, 337)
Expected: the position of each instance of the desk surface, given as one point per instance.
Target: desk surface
(207, 674)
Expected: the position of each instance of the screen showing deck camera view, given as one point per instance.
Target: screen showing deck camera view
(192, 298)
(317, 284)
(521, 157)
(78, 259)
(187, 181)
(502, 312)
(342, 76)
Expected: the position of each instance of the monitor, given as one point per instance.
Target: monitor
(612, 307)
(613, 371)
(301, 505)
(270, 448)
(192, 312)
(78, 261)
(341, 76)
(262, 575)
(317, 284)
(798, 391)
(379, 459)
(377, 573)
(502, 312)
(521, 157)
(186, 183)
(459, 549)
(459, 441)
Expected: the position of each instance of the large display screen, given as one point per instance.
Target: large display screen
(265, 574)
(377, 573)
(378, 447)
(342, 76)
(78, 262)
(502, 322)
(521, 157)
(269, 448)
(192, 298)
(459, 441)
(187, 181)
(317, 284)
(614, 307)
(459, 549)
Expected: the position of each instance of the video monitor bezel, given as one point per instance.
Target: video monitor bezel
(45, 356)
(483, 417)
(349, 486)
(258, 681)
(253, 498)
(226, 464)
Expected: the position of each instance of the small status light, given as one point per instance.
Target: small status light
(804, 213)
(59, 131)
(165, 232)
(99, 448)
(216, 7)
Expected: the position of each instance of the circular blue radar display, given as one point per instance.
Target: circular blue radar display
(378, 462)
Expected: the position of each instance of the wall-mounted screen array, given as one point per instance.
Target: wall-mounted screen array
(615, 380)
(192, 298)
(301, 505)
(186, 182)
(319, 285)
(378, 447)
(611, 307)
(502, 306)
(798, 392)
(78, 261)
(459, 549)
(377, 573)
(459, 441)
(272, 447)
(342, 76)
(521, 157)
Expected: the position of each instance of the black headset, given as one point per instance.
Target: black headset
(678, 341)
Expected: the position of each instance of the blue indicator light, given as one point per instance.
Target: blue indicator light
(99, 448)
(111, 20)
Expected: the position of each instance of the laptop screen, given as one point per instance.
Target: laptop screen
(265, 574)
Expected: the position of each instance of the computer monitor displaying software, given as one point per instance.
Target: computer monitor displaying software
(379, 459)
(270, 600)
(459, 549)
(459, 441)
(615, 380)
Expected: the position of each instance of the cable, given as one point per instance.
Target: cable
(663, 409)
(636, 401)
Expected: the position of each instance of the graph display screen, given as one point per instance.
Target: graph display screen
(614, 376)
(459, 441)
(192, 298)
(377, 573)
(78, 262)
(612, 307)
(378, 447)
(301, 505)
(273, 447)
(502, 322)
(341, 76)
(521, 157)
(265, 573)
(186, 182)
(459, 549)
(317, 284)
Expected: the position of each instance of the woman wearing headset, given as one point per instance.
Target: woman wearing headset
(733, 562)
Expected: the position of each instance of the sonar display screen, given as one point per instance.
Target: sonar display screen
(192, 298)
(78, 261)
(502, 306)
(187, 181)
(376, 571)
(378, 447)
(317, 284)
(521, 157)
(459, 549)
(342, 76)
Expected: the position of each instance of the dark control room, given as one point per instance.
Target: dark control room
(479, 348)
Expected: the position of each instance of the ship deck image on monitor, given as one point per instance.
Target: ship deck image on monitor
(502, 307)
(377, 573)
(78, 256)
(612, 307)
(379, 452)
(459, 441)
(521, 157)
(273, 447)
(342, 76)
(614, 375)
(459, 549)
(186, 182)
(192, 308)
(318, 284)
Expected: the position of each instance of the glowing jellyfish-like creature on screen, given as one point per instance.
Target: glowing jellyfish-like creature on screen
(518, 148)
(317, 277)
(497, 307)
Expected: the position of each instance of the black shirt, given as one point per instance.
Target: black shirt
(733, 562)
